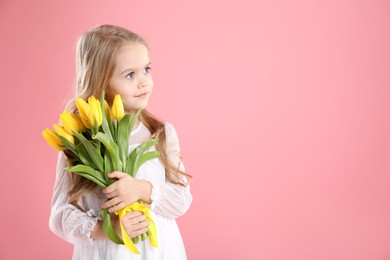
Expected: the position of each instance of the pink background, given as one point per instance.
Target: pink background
(281, 107)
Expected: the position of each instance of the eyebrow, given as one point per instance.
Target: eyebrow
(133, 69)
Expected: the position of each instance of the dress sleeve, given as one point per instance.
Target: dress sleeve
(168, 199)
(67, 221)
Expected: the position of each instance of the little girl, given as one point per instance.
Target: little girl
(116, 60)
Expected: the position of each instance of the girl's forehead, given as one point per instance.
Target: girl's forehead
(132, 56)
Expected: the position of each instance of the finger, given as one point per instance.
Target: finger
(132, 214)
(117, 174)
(112, 194)
(110, 188)
(137, 219)
(138, 232)
(111, 202)
(143, 224)
(128, 217)
(133, 217)
(121, 205)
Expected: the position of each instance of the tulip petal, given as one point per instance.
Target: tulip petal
(105, 118)
(98, 112)
(117, 108)
(95, 113)
(83, 108)
(52, 139)
(61, 131)
(107, 109)
(68, 122)
(77, 118)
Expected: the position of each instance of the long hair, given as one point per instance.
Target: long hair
(95, 60)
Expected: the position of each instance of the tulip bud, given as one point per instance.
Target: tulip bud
(69, 123)
(52, 139)
(117, 108)
(79, 122)
(60, 131)
(83, 108)
(107, 109)
(99, 115)
(95, 111)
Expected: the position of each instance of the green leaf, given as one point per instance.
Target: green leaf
(123, 139)
(108, 229)
(96, 124)
(83, 155)
(71, 155)
(135, 154)
(132, 160)
(108, 169)
(115, 125)
(133, 119)
(111, 125)
(73, 160)
(67, 144)
(145, 157)
(89, 173)
(112, 148)
(94, 153)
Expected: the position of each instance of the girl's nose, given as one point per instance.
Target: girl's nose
(143, 82)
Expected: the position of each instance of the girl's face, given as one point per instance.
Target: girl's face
(131, 78)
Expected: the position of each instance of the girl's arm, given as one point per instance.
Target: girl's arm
(168, 199)
(67, 221)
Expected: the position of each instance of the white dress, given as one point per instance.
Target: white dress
(169, 201)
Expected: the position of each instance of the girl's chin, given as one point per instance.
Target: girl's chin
(132, 110)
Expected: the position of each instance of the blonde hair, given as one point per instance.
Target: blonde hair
(95, 55)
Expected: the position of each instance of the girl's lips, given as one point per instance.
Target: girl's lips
(142, 95)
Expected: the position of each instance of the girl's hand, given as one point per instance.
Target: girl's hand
(125, 191)
(134, 223)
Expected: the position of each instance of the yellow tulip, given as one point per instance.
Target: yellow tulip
(79, 122)
(83, 108)
(52, 139)
(117, 108)
(69, 123)
(107, 109)
(60, 131)
(95, 111)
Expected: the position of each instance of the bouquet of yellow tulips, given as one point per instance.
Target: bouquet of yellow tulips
(96, 142)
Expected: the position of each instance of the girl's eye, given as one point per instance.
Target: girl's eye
(147, 69)
(130, 75)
